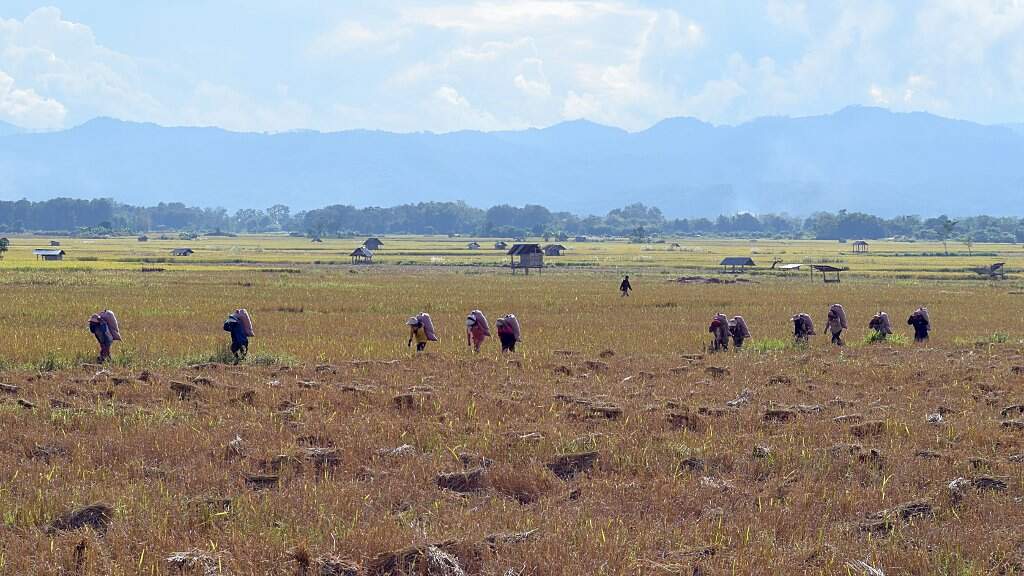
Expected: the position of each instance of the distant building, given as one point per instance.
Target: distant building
(54, 243)
(473, 246)
(362, 255)
(499, 245)
(737, 264)
(49, 254)
(860, 247)
(526, 256)
(373, 244)
(182, 252)
(554, 250)
(582, 239)
(143, 238)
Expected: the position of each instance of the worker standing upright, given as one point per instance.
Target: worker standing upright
(625, 287)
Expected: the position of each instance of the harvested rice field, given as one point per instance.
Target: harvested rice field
(611, 442)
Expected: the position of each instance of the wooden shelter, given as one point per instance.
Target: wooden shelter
(554, 250)
(373, 244)
(500, 245)
(582, 239)
(997, 270)
(54, 243)
(362, 255)
(182, 252)
(526, 256)
(736, 264)
(143, 238)
(49, 255)
(860, 247)
(473, 246)
(829, 274)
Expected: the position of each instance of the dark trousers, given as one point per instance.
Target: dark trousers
(105, 341)
(239, 348)
(421, 346)
(508, 342)
(837, 338)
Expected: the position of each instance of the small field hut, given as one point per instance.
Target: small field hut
(526, 256)
(182, 252)
(54, 243)
(860, 247)
(473, 245)
(373, 244)
(362, 255)
(554, 250)
(736, 264)
(49, 255)
(500, 245)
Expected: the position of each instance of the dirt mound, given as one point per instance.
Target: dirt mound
(709, 280)
(96, 516)
(568, 466)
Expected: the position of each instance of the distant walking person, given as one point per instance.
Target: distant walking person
(803, 328)
(919, 320)
(239, 325)
(103, 326)
(509, 332)
(880, 324)
(837, 323)
(739, 331)
(477, 329)
(421, 329)
(719, 329)
(625, 287)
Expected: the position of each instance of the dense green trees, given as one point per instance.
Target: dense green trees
(635, 221)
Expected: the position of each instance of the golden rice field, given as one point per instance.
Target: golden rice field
(611, 443)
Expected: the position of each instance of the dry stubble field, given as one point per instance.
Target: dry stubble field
(784, 461)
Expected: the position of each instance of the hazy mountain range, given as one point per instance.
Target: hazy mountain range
(858, 158)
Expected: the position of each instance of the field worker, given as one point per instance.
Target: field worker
(508, 332)
(625, 287)
(837, 323)
(803, 327)
(477, 329)
(103, 326)
(739, 331)
(235, 326)
(919, 320)
(417, 332)
(719, 330)
(880, 324)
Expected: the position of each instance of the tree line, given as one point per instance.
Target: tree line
(637, 221)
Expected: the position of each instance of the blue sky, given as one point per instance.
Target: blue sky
(410, 65)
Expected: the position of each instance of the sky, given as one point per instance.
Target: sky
(411, 65)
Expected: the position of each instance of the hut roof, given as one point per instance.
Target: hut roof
(790, 266)
(555, 247)
(860, 243)
(43, 252)
(362, 251)
(737, 261)
(826, 268)
(182, 252)
(520, 249)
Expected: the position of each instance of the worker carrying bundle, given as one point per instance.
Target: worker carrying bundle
(837, 323)
(803, 327)
(239, 325)
(105, 329)
(880, 324)
(509, 332)
(921, 323)
(719, 329)
(421, 329)
(477, 329)
(739, 331)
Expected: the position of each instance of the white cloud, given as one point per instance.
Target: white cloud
(27, 109)
(62, 61)
(351, 36)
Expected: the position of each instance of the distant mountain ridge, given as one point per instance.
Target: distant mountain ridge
(858, 158)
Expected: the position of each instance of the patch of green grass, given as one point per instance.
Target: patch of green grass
(765, 345)
(876, 337)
